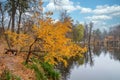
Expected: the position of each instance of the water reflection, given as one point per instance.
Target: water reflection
(115, 53)
(65, 71)
(89, 57)
(88, 60)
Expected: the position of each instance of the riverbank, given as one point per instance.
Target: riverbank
(14, 65)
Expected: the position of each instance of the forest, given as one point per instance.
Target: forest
(33, 44)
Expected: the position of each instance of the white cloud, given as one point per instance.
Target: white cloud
(51, 6)
(101, 10)
(69, 6)
(84, 10)
(62, 5)
(98, 17)
(95, 21)
(56, 20)
(100, 25)
(116, 24)
(105, 9)
(116, 14)
(103, 13)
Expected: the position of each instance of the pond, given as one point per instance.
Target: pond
(98, 64)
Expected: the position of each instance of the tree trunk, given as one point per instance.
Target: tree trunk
(9, 23)
(30, 51)
(6, 38)
(14, 8)
(13, 15)
(89, 37)
(2, 21)
(13, 21)
(19, 22)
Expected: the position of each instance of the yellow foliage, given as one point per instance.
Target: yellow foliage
(55, 43)
(57, 46)
(19, 40)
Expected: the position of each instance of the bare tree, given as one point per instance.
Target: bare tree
(2, 11)
(90, 31)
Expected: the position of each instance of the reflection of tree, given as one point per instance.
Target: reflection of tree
(89, 57)
(115, 53)
(97, 50)
(104, 50)
(65, 71)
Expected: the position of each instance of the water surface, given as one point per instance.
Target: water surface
(99, 64)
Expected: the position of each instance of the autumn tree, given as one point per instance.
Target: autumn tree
(78, 32)
(97, 36)
(52, 41)
(48, 38)
(115, 33)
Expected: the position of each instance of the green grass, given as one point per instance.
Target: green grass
(7, 75)
(50, 71)
(39, 74)
(43, 70)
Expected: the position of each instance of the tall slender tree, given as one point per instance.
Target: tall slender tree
(2, 12)
(90, 31)
(22, 7)
(12, 7)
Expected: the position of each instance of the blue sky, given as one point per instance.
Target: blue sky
(103, 13)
